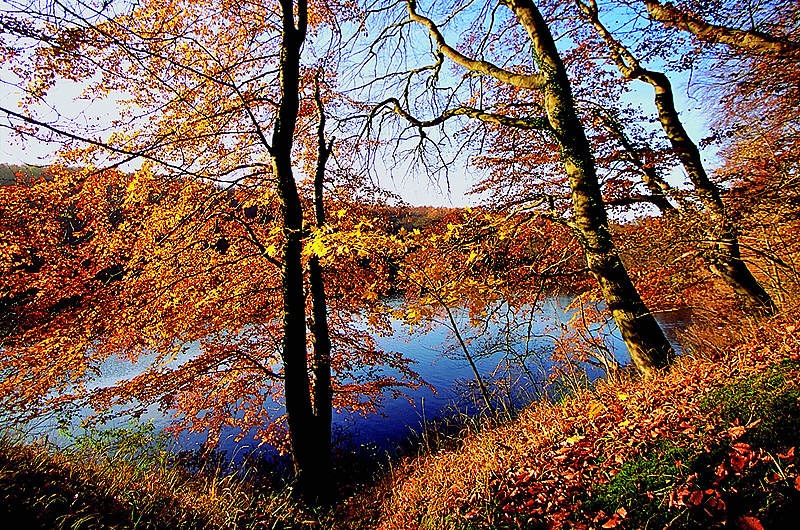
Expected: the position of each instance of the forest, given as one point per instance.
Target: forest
(235, 254)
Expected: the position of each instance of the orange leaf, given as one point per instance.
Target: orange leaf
(696, 498)
(612, 523)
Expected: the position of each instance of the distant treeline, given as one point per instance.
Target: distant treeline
(8, 172)
(411, 217)
(408, 217)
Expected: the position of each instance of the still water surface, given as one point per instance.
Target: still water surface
(439, 364)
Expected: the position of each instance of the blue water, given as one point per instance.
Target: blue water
(450, 382)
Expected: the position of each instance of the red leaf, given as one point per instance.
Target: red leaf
(696, 498)
(738, 463)
(747, 522)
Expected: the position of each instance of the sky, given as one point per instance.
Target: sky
(412, 187)
(407, 182)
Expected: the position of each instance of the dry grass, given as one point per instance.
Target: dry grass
(536, 470)
(43, 487)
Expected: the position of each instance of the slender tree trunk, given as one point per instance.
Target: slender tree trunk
(303, 433)
(322, 395)
(724, 255)
(751, 41)
(487, 398)
(656, 185)
(645, 340)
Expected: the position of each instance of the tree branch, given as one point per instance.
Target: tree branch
(749, 40)
(540, 123)
(529, 81)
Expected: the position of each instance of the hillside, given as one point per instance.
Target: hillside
(8, 172)
(711, 444)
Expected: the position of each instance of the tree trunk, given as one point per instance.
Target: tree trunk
(751, 41)
(303, 429)
(723, 253)
(645, 340)
(322, 394)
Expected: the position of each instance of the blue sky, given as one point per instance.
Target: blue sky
(414, 187)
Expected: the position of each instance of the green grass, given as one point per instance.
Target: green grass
(767, 398)
(642, 484)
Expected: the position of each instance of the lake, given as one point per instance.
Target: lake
(440, 365)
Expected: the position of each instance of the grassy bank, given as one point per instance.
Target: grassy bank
(126, 478)
(710, 444)
(713, 443)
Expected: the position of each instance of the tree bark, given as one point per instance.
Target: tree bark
(303, 435)
(751, 41)
(723, 253)
(321, 368)
(645, 340)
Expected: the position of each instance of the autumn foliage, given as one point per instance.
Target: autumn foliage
(224, 237)
(162, 272)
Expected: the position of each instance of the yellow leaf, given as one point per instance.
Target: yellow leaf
(317, 247)
(595, 409)
(573, 439)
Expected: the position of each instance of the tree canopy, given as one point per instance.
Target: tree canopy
(226, 223)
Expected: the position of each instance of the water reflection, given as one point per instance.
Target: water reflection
(511, 354)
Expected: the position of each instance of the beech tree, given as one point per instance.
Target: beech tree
(551, 109)
(213, 99)
(722, 242)
(748, 39)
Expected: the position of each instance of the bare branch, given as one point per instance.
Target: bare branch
(529, 81)
(538, 123)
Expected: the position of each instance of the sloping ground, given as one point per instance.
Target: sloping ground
(43, 488)
(712, 443)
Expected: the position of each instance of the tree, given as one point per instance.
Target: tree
(559, 120)
(213, 99)
(323, 398)
(750, 40)
(724, 254)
